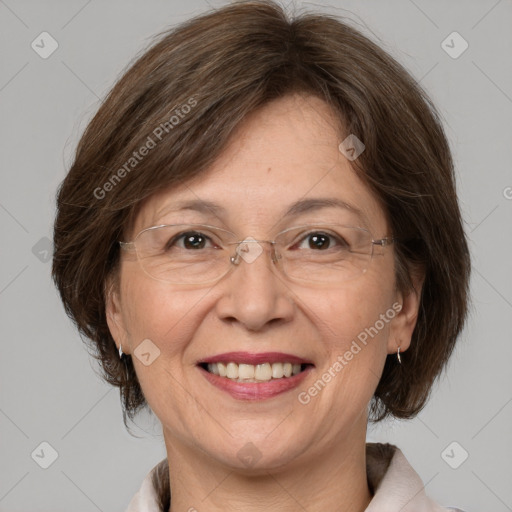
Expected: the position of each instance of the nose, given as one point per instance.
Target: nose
(254, 292)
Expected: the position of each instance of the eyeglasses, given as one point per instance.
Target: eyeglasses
(202, 254)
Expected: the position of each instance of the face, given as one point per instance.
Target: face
(284, 153)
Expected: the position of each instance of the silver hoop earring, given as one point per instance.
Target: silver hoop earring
(398, 355)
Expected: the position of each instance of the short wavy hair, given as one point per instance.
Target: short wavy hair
(192, 88)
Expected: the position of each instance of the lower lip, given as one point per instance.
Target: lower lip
(255, 390)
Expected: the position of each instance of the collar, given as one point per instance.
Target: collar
(395, 484)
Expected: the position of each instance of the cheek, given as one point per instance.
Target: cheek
(354, 324)
(347, 313)
(353, 341)
(152, 311)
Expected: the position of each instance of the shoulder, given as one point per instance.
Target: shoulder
(154, 492)
(395, 484)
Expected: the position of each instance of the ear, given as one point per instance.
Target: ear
(403, 324)
(114, 314)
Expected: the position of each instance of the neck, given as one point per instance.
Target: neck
(334, 479)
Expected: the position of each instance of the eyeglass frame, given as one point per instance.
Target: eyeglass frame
(127, 246)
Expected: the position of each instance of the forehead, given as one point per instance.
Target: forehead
(283, 159)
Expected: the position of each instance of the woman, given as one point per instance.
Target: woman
(260, 236)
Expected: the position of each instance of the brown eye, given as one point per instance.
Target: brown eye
(192, 240)
(321, 241)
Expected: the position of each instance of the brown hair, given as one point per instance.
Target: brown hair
(192, 88)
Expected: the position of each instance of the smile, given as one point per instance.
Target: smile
(247, 376)
(254, 373)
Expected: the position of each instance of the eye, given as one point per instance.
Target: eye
(320, 240)
(192, 240)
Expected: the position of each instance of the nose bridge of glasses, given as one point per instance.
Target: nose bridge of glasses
(250, 249)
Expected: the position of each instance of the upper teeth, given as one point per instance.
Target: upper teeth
(251, 372)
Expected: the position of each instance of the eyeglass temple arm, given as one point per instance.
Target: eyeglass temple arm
(127, 246)
(384, 241)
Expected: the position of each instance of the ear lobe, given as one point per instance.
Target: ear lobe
(404, 322)
(114, 315)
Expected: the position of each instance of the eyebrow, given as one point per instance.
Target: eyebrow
(312, 204)
(299, 207)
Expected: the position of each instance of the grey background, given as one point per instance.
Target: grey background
(48, 388)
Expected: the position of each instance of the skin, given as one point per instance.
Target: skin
(313, 454)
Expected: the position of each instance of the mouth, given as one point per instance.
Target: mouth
(264, 372)
(262, 367)
(255, 376)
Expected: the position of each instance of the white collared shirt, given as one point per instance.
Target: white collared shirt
(399, 490)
